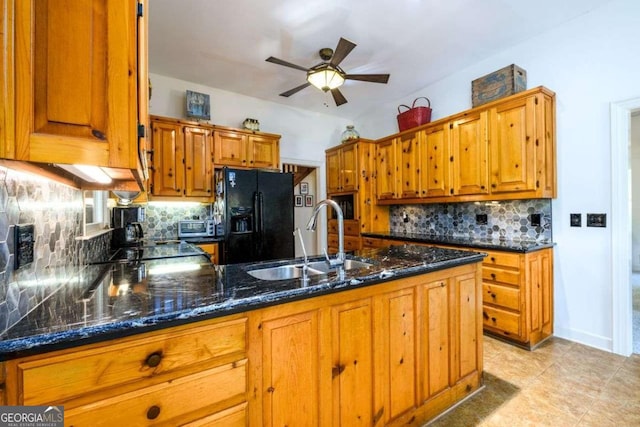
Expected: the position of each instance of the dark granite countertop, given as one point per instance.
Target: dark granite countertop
(106, 301)
(522, 246)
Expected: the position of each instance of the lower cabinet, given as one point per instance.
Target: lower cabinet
(211, 249)
(184, 375)
(391, 354)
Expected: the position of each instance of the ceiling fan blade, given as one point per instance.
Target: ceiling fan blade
(338, 97)
(374, 78)
(285, 63)
(341, 51)
(295, 90)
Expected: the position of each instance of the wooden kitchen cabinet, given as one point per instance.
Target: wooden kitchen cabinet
(435, 179)
(342, 168)
(246, 149)
(469, 154)
(211, 249)
(180, 375)
(502, 150)
(70, 57)
(351, 182)
(409, 164)
(518, 296)
(385, 172)
(380, 355)
(181, 161)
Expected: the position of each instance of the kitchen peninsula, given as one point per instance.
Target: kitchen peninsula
(396, 342)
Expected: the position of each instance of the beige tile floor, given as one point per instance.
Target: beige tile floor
(559, 384)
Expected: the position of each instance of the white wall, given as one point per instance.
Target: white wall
(590, 62)
(634, 158)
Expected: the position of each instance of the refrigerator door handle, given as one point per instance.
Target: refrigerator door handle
(261, 212)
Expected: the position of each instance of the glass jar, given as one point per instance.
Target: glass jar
(350, 134)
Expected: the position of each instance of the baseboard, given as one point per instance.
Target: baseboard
(592, 340)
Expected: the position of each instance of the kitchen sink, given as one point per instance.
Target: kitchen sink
(283, 272)
(295, 271)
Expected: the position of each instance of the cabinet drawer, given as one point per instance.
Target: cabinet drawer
(232, 417)
(500, 275)
(372, 242)
(502, 320)
(501, 295)
(58, 378)
(351, 243)
(502, 259)
(351, 227)
(165, 401)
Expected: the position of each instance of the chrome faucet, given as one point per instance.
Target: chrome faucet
(305, 267)
(340, 256)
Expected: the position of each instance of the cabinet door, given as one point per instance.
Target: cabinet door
(436, 353)
(198, 147)
(469, 154)
(466, 354)
(408, 170)
(333, 171)
(396, 351)
(540, 275)
(435, 175)
(385, 169)
(290, 358)
(263, 152)
(230, 148)
(167, 169)
(349, 168)
(513, 146)
(76, 82)
(352, 364)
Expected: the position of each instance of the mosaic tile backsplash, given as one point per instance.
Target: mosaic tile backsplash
(56, 211)
(161, 219)
(510, 220)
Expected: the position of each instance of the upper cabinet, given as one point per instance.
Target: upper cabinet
(79, 77)
(181, 161)
(342, 168)
(502, 150)
(246, 149)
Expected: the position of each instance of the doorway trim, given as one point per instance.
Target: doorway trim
(622, 334)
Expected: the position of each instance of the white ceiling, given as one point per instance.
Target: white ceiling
(223, 44)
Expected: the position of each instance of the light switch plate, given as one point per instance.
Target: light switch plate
(576, 219)
(596, 220)
(481, 219)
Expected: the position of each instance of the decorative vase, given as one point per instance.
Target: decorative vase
(350, 134)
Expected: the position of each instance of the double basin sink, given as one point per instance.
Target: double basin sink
(296, 271)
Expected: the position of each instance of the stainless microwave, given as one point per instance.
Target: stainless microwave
(196, 228)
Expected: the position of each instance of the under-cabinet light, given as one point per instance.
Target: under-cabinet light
(88, 173)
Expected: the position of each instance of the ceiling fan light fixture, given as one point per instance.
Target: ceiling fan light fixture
(325, 77)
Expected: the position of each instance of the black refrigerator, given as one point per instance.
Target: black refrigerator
(258, 222)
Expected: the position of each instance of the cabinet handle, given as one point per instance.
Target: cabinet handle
(493, 259)
(485, 315)
(493, 276)
(493, 295)
(177, 190)
(153, 359)
(153, 412)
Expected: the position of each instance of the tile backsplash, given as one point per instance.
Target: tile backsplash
(509, 220)
(160, 219)
(56, 211)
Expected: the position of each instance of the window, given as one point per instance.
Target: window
(96, 218)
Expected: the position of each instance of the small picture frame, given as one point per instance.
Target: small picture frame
(297, 201)
(304, 188)
(308, 201)
(198, 105)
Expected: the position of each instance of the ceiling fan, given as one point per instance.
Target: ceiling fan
(328, 76)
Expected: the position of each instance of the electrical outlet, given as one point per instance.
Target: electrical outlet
(535, 219)
(575, 220)
(25, 240)
(405, 217)
(481, 219)
(596, 220)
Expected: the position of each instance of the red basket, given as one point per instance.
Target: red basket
(414, 116)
